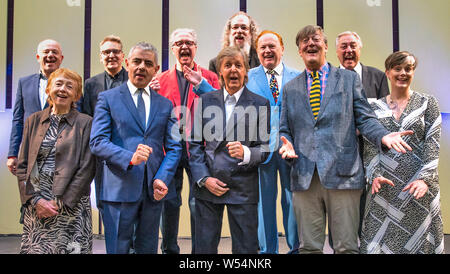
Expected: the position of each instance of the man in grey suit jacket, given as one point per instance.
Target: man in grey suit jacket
(111, 56)
(322, 145)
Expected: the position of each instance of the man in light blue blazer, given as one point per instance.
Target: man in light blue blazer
(137, 137)
(268, 80)
(321, 110)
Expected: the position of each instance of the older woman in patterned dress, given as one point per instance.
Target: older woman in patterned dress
(403, 212)
(57, 164)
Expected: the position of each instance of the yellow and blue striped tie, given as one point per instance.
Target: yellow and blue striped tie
(314, 94)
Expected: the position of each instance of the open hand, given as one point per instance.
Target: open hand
(287, 150)
(417, 188)
(193, 77)
(154, 84)
(394, 140)
(377, 182)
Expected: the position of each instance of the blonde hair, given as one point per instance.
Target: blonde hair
(72, 75)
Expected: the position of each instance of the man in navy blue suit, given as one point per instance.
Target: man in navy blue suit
(137, 137)
(31, 98)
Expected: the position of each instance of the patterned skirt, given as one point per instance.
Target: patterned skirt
(68, 232)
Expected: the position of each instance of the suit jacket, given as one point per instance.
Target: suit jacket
(329, 143)
(169, 89)
(209, 156)
(253, 61)
(374, 82)
(27, 103)
(74, 162)
(116, 133)
(257, 83)
(92, 87)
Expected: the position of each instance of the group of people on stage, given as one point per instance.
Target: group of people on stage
(348, 151)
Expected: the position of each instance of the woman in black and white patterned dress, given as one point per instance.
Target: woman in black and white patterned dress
(403, 212)
(56, 162)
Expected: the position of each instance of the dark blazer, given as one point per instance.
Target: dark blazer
(210, 157)
(27, 102)
(374, 82)
(92, 87)
(329, 143)
(74, 162)
(253, 61)
(116, 133)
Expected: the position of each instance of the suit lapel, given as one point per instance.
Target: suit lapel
(129, 103)
(35, 82)
(333, 78)
(261, 81)
(365, 78)
(153, 108)
(243, 102)
(219, 102)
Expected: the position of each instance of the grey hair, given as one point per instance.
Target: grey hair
(145, 47)
(191, 32)
(45, 41)
(354, 34)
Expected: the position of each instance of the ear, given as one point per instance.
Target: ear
(126, 63)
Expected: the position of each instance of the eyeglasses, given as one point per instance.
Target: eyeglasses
(242, 27)
(107, 52)
(184, 42)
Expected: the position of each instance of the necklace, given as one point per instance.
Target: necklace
(398, 106)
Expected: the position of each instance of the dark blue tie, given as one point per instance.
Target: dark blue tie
(141, 107)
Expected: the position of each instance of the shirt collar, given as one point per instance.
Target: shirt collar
(237, 95)
(42, 76)
(116, 76)
(357, 69)
(323, 70)
(278, 69)
(133, 89)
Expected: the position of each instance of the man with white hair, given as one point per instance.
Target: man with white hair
(31, 98)
(348, 50)
(177, 85)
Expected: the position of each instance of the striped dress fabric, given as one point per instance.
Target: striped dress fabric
(314, 94)
(394, 221)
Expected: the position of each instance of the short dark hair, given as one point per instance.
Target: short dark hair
(398, 58)
(231, 52)
(308, 31)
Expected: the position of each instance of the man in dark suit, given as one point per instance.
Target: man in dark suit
(177, 85)
(111, 56)
(268, 80)
(322, 108)
(348, 50)
(229, 140)
(31, 98)
(374, 81)
(241, 31)
(138, 139)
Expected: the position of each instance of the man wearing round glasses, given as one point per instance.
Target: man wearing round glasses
(177, 85)
(241, 31)
(111, 56)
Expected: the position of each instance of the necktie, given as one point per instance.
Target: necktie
(141, 107)
(230, 102)
(273, 85)
(314, 94)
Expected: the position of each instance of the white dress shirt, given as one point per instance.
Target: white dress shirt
(278, 74)
(229, 110)
(145, 96)
(357, 69)
(42, 95)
